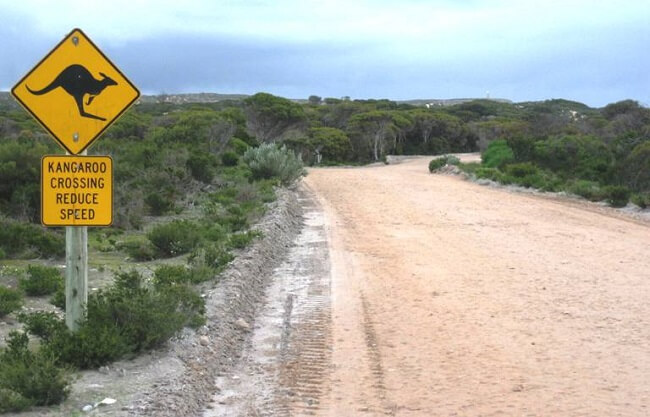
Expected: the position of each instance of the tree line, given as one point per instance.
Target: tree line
(162, 151)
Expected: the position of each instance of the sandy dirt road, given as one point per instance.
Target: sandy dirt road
(454, 299)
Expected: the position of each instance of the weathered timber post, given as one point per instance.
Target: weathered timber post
(76, 275)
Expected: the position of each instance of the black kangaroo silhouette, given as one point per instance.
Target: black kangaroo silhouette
(77, 81)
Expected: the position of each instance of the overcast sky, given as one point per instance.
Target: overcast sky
(592, 51)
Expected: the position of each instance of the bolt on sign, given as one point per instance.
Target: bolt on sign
(76, 190)
(75, 92)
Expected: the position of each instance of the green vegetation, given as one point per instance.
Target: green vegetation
(29, 378)
(129, 317)
(175, 238)
(25, 240)
(269, 161)
(41, 280)
(497, 155)
(598, 155)
(10, 300)
(441, 161)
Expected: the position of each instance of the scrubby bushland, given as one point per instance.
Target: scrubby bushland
(41, 280)
(273, 161)
(170, 275)
(591, 190)
(241, 240)
(641, 199)
(10, 300)
(617, 195)
(599, 155)
(29, 377)
(164, 153)
(25, 240)
(497, 154)
(129, 317)
(175, 238)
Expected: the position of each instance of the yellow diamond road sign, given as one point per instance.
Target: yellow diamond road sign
(75, 92)
(76, 190)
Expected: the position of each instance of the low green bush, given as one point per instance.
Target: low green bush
(169, 275)
(488, 173)
(10, 300)
(158, 203)
(175, 238)
(469, 167)
(30, 378)
(41, 280)
(138, 249)
(497, 154)
(11, 401)
(239, 146)
(617, 195)
(58, 298)
(590, 190)
(270, 161)
(201, 166)
(43, 324)
(440, 162)
(241, 240)
(525, 174)
(522, 169)
(26, 240)
(127, 318)
(229, 158)
(214, 255)
(641, 199)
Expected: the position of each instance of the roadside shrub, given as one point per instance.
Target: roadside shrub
(239, 146)
(521, 170)
(41, 280)
(584, 157)
(590, 190)
(201, 166)
(166, 275)
(241, 240)
(29, 378)
(138, 249)
(10, 300)
(175, 238)
(169, 275)
(124, 319)
(525, 174)
(214, 255)
(158, 203)
(469, 167)
(29, 240)
(617, 195)
(488, 173)
(229, 158)
(440, 162)
(497, 154)
(270, 161)
(641, 199)
(11, 401)
(58, 298)
(42, 324)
